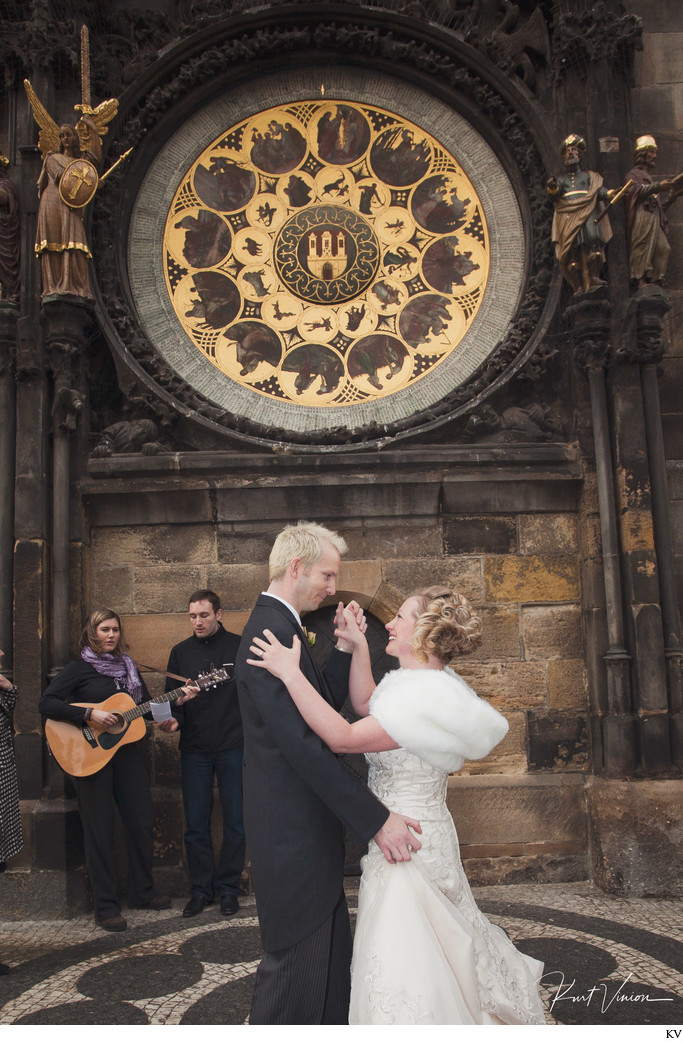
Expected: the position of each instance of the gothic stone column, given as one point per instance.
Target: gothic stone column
(31, 515)
(8, 344)
(589, 322)
(66, 332)
(640, 567)
(650, 306)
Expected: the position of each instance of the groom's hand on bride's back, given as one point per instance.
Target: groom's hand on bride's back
(395, 840)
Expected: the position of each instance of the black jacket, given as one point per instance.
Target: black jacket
(211, 722)
(79, 682)
(297, 793)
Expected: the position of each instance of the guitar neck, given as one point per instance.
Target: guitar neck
(143, 708)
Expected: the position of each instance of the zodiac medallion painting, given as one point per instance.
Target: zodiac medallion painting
(326, 253)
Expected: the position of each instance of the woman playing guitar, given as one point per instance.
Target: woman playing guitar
(102, 670)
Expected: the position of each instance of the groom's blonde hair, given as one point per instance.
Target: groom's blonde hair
(305, 540)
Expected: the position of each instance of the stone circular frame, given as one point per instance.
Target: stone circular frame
(277, 400)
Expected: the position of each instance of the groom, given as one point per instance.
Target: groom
(297, 798)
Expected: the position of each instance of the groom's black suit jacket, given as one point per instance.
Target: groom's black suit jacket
(297, 794)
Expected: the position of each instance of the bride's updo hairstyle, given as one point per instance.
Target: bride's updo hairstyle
(446, 626)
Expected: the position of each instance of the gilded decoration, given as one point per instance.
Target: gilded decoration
(326, 253)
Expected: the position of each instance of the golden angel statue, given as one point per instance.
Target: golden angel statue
(67, 183)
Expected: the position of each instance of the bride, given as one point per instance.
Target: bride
(423, 952)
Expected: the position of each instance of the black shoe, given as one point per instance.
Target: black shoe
(195, 905)
(229, 905)
(4, 969)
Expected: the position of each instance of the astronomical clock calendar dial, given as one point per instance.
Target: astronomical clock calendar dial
(326, 253)
(326, 257)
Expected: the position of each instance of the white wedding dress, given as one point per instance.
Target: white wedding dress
(423, 952)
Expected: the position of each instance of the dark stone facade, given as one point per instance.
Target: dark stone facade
(547, 487)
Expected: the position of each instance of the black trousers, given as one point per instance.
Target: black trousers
(310, 982)
(122, 783)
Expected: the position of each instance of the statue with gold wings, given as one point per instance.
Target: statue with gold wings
(67, 183)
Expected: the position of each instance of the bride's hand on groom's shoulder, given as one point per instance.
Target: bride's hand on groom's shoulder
(275, 657)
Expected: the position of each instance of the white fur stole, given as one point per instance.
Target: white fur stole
(437, 716)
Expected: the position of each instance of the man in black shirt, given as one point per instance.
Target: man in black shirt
(210, 745)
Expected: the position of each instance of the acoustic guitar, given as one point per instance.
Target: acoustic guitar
(83, 747)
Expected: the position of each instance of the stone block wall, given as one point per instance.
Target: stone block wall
(636, 829)
(531, 662)
(514, 552)
(522, 577)
(531, 829)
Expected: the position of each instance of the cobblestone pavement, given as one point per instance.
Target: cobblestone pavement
(609, 961)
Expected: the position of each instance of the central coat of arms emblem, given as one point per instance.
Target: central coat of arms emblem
(326, 254)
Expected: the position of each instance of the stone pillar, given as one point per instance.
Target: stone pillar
(640, 567)
(30, 504)
(8, 339)
(66, 327)
(589, 320)
(650, 306)
(628, 816)
(50, 347)
(66, 324)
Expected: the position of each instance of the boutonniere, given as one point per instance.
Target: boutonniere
(309, 637)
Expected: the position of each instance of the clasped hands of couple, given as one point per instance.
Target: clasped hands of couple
(395, 839)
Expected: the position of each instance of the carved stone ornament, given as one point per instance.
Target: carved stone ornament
(66, 408)
(10, 236)
(588, 326)
(8, 338)
(520, 39)
(534, 370)
(651, 304)
(129, 436)
(596, 34)
(535, 423)
(232, 311)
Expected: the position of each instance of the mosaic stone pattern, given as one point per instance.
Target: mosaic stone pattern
(608, 961)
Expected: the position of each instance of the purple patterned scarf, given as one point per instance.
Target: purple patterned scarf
(120, 667)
